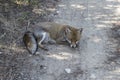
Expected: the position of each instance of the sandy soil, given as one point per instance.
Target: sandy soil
(95, 59)
(96, 17)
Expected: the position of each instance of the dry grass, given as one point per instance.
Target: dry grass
(13, 21)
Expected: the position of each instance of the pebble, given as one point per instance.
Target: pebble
(68, 70)
(0, 52)
(92, 76)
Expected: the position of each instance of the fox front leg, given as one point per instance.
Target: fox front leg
(61, 40)
(51, 41)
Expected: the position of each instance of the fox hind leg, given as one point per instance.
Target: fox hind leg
(43, 39)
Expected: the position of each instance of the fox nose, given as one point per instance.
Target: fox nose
(73, 45)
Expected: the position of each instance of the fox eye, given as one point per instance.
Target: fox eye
(77, 42)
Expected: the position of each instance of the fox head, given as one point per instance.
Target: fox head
(73, 35)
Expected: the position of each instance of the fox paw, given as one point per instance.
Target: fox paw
(52, 42)
(44, 47)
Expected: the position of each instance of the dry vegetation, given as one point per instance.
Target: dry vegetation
(14, 17)
(114, 37)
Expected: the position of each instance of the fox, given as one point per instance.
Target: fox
(62, 33)
(53, 33)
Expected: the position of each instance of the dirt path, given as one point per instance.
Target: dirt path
(89, 62)
(95, 17)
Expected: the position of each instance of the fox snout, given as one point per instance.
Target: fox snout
(73, 45)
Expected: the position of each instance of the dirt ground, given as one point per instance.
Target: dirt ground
(97, 58)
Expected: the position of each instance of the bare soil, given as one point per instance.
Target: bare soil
(97, 58)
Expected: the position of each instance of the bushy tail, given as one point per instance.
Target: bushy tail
(30, 42)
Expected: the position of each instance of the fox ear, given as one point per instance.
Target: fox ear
(80, 30)
(67, 30)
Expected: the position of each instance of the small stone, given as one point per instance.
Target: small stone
(68, 70)
(0, 52)
(21, 73)
(60, 53)
(93, 76)
(37, 53)
(30, 55)
(43, 67)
